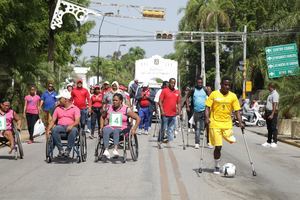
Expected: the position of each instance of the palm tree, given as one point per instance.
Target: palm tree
(214, 13)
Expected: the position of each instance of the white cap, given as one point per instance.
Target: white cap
(145, 84)
(65, 94)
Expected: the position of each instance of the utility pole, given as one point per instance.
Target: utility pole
(99, 40)
(203, 75)
(217, 56)
(244, 61)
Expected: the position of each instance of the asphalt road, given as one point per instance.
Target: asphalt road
(169, 173)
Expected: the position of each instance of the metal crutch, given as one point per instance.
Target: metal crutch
(201, 155)
(182, 134)
(248, 152)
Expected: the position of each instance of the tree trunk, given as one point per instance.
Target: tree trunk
(51, 42)
(218, 78)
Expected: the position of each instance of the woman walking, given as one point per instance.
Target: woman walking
(31, 111)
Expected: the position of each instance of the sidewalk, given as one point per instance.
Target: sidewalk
(282, 138)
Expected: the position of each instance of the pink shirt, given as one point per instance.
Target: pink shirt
(66, 116)
(9, 119)
(32, 104)
(123, 110)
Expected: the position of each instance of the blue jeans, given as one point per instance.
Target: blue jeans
(57, 139)
(144, 114)
(199, 118)
(83, 118)
(107, 132)
(169, 125)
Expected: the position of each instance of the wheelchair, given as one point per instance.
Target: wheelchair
(18, 149)
(80, 147)
(127, 142)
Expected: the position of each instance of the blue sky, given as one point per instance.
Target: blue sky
(122, 26)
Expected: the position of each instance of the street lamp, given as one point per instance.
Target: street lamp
(99, 38)
(118, 52)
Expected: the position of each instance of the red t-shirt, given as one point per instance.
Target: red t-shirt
(169, 99)
(144, 100)
(96, 100)
(81, 97)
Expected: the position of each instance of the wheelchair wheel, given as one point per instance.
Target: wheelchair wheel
(99, 149)
(20, 147)
(49, 149)
(133, 146)
(83, 146)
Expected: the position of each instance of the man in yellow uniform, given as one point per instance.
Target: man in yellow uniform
(219, 106)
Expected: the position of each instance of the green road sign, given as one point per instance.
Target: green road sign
(282, 60)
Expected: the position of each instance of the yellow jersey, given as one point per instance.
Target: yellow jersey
(221, 107)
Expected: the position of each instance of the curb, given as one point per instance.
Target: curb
(287, 141)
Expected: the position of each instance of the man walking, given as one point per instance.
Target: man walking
(169, 102)
(219, 107)
(144, 103)
(81, 97)
(271, 115)
(48, 102)
(198, 98)
(158, 112)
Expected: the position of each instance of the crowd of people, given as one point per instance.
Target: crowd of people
(111, 109)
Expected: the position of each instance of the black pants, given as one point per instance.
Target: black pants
(95, 118)
(161, 133)
(31, 120)
(272, 127)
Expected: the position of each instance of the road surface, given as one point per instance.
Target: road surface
(169, 173)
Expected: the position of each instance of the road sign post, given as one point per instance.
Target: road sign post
(282, 60)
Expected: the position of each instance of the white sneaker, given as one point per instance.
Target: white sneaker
(189, 130)
(116, 153)
(146, 132)
(209, 146)
(88, 131)
(176, 132)
(197, 146)
(217, 170)
(273, 145)
(106, 154)
(139, 132)
(266, 144)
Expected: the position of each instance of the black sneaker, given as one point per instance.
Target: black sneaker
(67, 153)
(159, 145)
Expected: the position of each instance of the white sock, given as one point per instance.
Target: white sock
(217, 163)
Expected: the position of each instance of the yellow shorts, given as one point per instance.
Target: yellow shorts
(216, 135)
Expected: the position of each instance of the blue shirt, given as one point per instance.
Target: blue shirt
(199, 99)
(49, 100)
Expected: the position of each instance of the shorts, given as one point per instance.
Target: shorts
(216, 136)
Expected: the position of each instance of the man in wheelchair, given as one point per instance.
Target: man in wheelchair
(114, 121)
(7, 116)
(66, 117)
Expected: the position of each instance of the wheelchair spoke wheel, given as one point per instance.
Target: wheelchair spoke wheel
(49, 150)
(133, 147)
(20, 147)
(83, 147)
(98, 148)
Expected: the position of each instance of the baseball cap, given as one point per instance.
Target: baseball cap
(64, 94)
(97, 86)
(79, 81)
(145, 84)
(106, 82)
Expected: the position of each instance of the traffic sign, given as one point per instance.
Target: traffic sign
(282, 60)
(248, 86)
